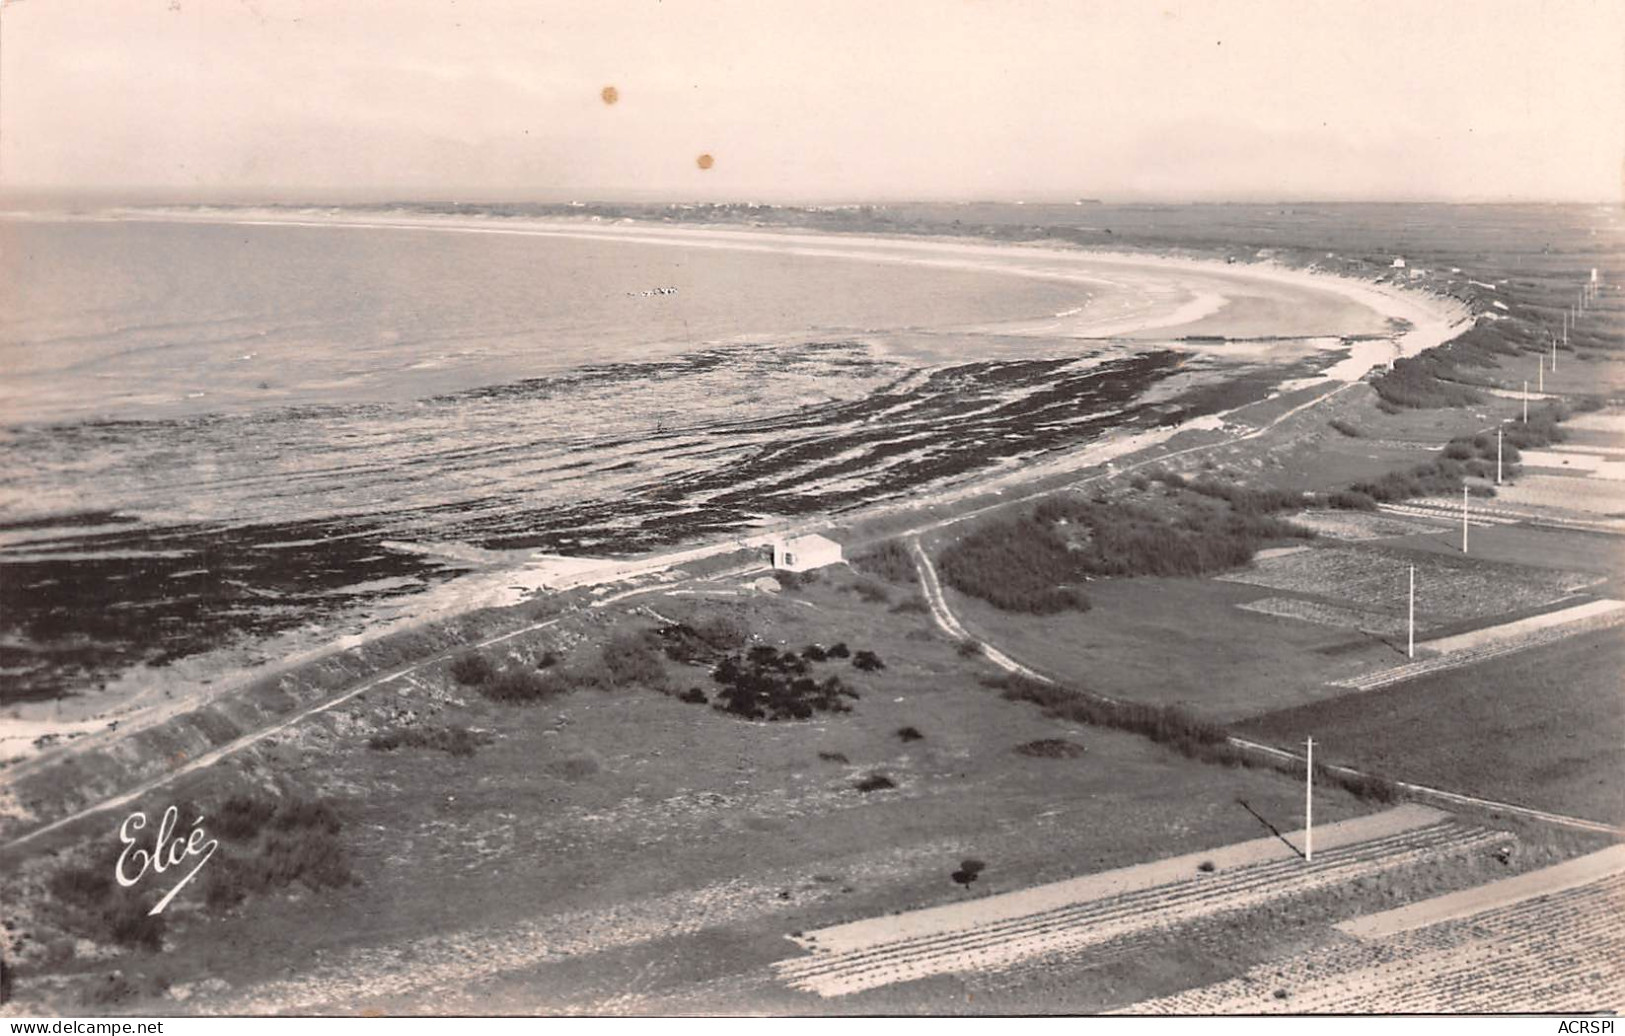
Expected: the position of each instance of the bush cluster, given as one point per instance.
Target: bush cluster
(872, 591)
(631, 658)
(1190, 735)
(93, 907)
(1034, 562)
(271, 844)
(1431, 479)
(1463, 457)
(1164, 724)
(1249, 501)
(703, 640)
(1437, 378)
(472, 669)
(517, 685)
(266, 844)
(1343, 427)
(459, 741)
(889, 560)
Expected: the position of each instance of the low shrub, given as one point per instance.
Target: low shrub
(1343, 427)
(472, 669)
(721, 631)
(1540, 430)
(795, 580)
(300, 844)
(694, 696)
(867, 661)
(242, 816)
(295, 813)
(1433, 479)
(1249, 501)
(629, 659)
(1368, 787)
(1351, 500)
(1034, 562)
(1169, 725)
(519, 686)
(889, 560)
(95, 908)
(1424, 382)
(968, 648)
(967, 872)
(909, 734)
(1051, 748)
(458, 741)
(911, 605)
(1164, 724)
(767, 684)
(871, 591)
(874, 782)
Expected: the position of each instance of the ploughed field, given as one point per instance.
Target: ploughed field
(1561, 951)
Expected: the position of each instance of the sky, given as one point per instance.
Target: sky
(841, 100)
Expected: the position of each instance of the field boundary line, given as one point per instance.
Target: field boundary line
(1497, 895)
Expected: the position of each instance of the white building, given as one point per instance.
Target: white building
(804, 553)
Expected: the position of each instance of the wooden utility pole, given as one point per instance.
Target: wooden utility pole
(1309, 801)
(1464, 519)
(1498, 432)
(1410, 638)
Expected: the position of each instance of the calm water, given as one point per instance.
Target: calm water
(134, 320)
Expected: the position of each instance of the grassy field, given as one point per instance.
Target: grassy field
(629, 810)
(1540, 728)
(1593, 553)
(1178, 642)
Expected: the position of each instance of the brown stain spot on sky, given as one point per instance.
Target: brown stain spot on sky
(610, 94)
(705, 161)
